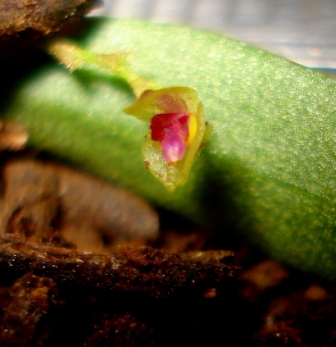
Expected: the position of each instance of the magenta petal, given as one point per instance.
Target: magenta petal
(163, 125)
(173, 149)
(171, 130)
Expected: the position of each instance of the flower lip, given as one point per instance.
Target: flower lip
(172, 131)
(173, 150)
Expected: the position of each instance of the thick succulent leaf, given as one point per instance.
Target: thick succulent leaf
(268, 169)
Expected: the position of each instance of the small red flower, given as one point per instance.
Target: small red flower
(177, 126)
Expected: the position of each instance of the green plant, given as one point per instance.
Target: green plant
(268, 170)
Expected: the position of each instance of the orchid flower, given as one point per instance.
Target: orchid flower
(176, 130)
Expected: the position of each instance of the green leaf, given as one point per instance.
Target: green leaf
(268, 170)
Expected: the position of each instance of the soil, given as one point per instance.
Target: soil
(23, 22)
(71, 273)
